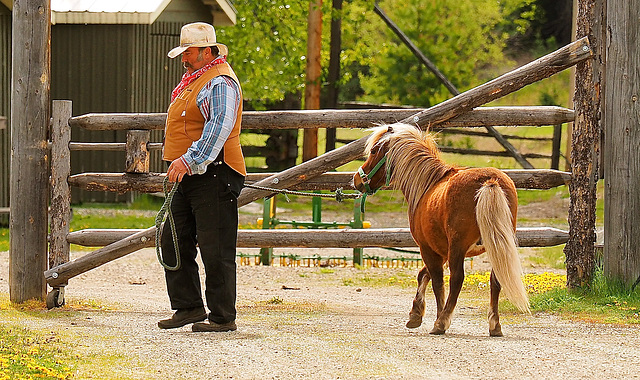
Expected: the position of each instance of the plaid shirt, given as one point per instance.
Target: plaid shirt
(218, 102)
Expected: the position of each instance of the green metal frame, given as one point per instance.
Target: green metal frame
(269, 221)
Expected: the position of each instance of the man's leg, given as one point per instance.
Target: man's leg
(216, 213)
(183, 285)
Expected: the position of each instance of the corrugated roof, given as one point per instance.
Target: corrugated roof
(142, 6)
(125, 11)
(106, 11)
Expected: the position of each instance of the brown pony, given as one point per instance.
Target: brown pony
(453, 213)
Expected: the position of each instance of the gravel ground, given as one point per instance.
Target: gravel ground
(308, 323)
(318, 323)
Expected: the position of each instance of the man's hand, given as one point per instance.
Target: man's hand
(176, 170)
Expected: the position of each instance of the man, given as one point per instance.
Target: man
(202, 144)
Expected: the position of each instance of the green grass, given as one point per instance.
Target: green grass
(604, 302)
(25, 354)
(384, 200)
(532, 196)
(141, 202)
(403, 279)
(42, 353)
(80, 222)
(548, 257)
(4, 239)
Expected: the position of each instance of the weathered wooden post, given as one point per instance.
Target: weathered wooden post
(60, 193)
(29, 193)
(580, 249)
(313, 72)
(137, 160)
(622, 142)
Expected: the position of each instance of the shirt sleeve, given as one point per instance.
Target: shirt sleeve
(218, 102)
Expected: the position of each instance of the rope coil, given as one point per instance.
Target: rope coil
(160, 218)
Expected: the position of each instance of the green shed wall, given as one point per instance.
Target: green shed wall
(5, 108)
(112, 68)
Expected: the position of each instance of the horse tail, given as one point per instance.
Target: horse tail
(498, 237)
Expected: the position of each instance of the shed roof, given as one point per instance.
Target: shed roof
(125, 11)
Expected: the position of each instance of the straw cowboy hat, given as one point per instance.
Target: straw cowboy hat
(197, 34)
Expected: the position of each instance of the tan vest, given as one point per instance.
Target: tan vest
(185, 122)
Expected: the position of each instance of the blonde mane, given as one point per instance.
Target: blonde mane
(412, 157)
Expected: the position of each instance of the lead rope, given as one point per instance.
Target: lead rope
(166, 209)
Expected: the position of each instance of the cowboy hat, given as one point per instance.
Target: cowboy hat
(197, 34)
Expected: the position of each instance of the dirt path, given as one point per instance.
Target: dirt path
(333, 324)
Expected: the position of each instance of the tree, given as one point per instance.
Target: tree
(267, 48)
(464, 39)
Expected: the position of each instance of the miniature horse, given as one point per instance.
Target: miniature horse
(453, 213)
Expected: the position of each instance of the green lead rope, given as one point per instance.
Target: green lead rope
(160, 218)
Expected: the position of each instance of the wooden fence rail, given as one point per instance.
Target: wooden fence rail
(152, 182)
(119, 243)
(305, 119)
(325, 238)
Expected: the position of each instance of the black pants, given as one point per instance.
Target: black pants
(205, 212)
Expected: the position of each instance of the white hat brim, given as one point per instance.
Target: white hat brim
(180, 49)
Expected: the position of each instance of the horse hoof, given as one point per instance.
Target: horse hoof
(496, 332)
(437, 331)
(413, 323)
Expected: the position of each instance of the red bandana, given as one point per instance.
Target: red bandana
(188, 78)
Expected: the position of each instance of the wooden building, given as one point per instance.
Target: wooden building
(106, 56)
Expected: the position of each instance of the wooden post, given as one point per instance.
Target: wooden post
(137, 152)
(314, 70)
(580, 249)
(60, 190)
(334, 68)
(29, 191)
(555, 146)
(622, 133)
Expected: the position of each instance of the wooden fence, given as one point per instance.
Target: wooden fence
(312, 175)
(138, 178)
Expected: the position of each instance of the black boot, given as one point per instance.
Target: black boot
(183, 317)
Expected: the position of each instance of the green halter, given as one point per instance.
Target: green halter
(366, 178)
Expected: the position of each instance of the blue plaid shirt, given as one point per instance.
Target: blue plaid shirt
(218, 102)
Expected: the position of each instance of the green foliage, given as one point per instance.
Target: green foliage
(459, 37)
(268, 46)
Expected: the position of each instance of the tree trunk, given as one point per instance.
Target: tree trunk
(580, 249)
(314, 70)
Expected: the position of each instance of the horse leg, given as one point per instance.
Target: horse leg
(417, 311)
(494, 319)
(456, 267)
(434, 263)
